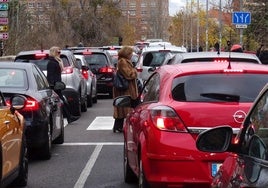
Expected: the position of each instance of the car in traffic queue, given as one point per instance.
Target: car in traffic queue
(191, 57)
(246, 165)
(153, 57)
(76, 87)
(100, 63)
(92, 95)
(13, 150)
(43, 112)
(177, 103)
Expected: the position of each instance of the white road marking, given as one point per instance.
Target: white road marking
(92, 144)
(102, 123)
(86, 171)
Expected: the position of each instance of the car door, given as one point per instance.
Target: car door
(254, 145)
(11, 136)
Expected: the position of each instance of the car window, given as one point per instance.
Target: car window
(41, 80)
(259, 123)
(65, 60)
(218, 87)
(151, 89)
(13, 78)
(96, 59)
(41, 63)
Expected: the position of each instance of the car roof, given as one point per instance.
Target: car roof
(168, 47)
(63, 51)
(12, 64)
(208, 67)
(206, 55)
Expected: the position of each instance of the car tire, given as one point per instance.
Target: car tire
(45, 150)
(60, 138)
(143, 183)
(89, 100)
(22, 178)
(84, 105)
(129, 175)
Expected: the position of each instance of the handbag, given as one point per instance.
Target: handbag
(120, 82)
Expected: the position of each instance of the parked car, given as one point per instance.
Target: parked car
(43, 110)
(13, 154)
(246, 166)
(92, 95)
(177, 103)
(100, 63)
(153, 57)
(76, 88)
(215, 57)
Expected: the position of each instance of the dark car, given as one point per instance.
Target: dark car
(176, 104)
(247, 164)
(13, 149)
(76, 89)
(43, 111)
(100, 63)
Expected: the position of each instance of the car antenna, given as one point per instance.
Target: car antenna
(229, 48)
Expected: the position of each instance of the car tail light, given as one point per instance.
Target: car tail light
(40, 55)
(31, 104)
(67, 70)
(85, 74)
(139, 69)
(165, 118)
(106, 70)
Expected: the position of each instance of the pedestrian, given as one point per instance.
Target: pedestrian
(54, 69)
(237, 48)
(126, 68)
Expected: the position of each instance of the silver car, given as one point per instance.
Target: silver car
(76, 89)
(153, 57)
(90, 78)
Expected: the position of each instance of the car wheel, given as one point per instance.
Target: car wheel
(143, 183)
(45, 150)
(22, 178)
(60, 138)
(129, 175)
(89, 100)
(84, 105)
(95, 99)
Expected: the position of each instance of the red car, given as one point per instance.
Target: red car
(176, 104)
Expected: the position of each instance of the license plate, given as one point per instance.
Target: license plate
(214, 168)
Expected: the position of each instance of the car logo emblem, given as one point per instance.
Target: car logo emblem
(239, 116)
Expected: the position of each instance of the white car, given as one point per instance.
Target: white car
(90, 78)
(153, 57)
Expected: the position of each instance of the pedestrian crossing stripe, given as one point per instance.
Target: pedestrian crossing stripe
(102, 123)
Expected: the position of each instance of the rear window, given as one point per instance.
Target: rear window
(218, 87)
(96, 59)
(13, 78)
(40, 62)
(155, 59)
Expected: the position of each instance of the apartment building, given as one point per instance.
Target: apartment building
(150, 18)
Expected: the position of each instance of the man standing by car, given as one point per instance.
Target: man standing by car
(54, 69)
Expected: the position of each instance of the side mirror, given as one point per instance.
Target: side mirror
(215, 140)
(59, 86)
(122, 101)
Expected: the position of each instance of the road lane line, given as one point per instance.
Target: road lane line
(86, 171)
(92, 143)
(102, 123)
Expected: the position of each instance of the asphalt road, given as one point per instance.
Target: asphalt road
(91, 156)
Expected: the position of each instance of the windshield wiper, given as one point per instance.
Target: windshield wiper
(221, 96)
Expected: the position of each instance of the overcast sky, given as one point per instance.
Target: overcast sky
(176, 5)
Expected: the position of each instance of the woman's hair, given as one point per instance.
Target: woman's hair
(125, 51)
(54, 51)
